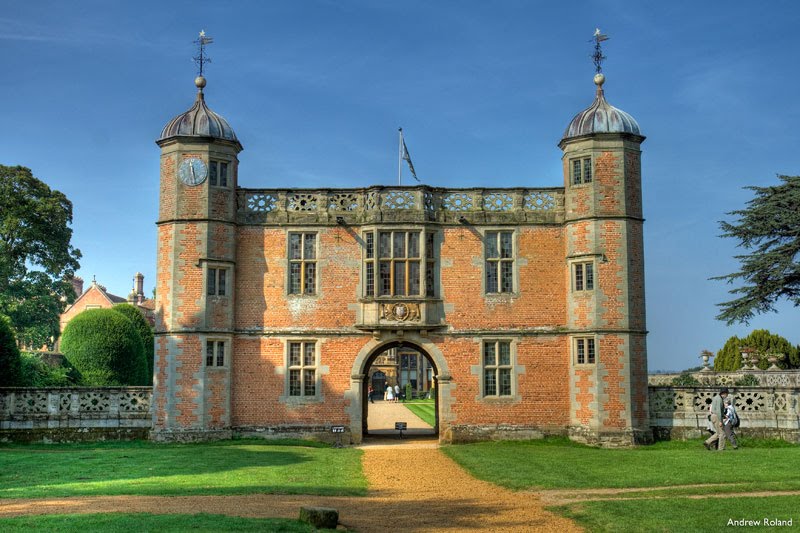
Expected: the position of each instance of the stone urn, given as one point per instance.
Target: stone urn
(706, 355)
(773, 359)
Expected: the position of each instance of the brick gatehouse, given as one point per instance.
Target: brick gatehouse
(528, 304)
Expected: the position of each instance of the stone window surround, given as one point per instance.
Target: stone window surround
(573, 267)
(517, 262)
(226, 339)
(423, 230)
(215, 162)
(516, 371)
(284, 372)
(583, 158)
(302, 262)
(574, 349)
(227, 266)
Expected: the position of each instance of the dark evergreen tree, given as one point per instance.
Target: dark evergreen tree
(10, 362)
(761, 340)
(768, 227)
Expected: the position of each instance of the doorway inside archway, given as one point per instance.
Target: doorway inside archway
(400, 386)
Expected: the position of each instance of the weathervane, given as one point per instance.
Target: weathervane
(598, 56)
(202, 58)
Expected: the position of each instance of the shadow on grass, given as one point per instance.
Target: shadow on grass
(236, 467)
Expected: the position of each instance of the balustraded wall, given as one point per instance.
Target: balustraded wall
(770, 409)
(74, 414)
(400, 204)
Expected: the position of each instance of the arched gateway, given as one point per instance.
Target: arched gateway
(528, 301)
(358, 382)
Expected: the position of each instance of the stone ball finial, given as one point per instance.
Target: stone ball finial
(599, 79)
(200, 82)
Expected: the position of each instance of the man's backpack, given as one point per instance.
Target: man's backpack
(734, 420)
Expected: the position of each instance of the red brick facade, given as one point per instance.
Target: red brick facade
(204, 229)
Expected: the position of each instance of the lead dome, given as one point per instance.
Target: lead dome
(601, 117)
(199, 121)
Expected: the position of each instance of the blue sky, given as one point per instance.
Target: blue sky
(315, 91)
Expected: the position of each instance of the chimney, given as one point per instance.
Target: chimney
(139, 277)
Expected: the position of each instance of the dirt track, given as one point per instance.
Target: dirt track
(411, 488)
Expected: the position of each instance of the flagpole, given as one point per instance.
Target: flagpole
(400, 158)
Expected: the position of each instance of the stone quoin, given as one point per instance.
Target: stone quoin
(528, 303)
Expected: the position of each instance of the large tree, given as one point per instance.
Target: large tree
(36, 257)
(770, 229)
(763, 342)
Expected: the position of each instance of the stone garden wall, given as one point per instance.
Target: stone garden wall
(770, 409)
(74, 414)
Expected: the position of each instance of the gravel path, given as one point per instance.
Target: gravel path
(412, 487)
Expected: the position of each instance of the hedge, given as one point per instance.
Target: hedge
(145, 332)
(104, 346)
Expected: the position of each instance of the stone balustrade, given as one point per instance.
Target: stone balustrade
(768, 410)
(79, 413)
(678, 412)
(418, 204)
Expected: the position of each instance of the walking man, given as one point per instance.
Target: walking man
(716, 421)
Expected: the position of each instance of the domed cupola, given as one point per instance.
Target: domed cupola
(601, 117)
(199, 121)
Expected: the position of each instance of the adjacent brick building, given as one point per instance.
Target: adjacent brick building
(97, 297)
(272, 304)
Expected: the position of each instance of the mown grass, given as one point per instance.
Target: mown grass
(144, 468)
(562, 464)
(144, 522)
(683, 515)
(425, 409)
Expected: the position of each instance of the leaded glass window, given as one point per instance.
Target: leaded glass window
(499, 262)
(302, 363)
(302, 263)
(497, 368)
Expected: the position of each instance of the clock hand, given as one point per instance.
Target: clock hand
(191, 169)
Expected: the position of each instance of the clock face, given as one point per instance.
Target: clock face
(192, 171)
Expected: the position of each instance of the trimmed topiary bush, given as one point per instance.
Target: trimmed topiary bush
(104, 346)
(145, 332)
(10, 363)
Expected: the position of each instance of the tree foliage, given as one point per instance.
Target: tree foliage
(37, 373)
(36, 257)
(730, 356)
(104, 346)
(145, 331)
(770, 228)
(10, 362)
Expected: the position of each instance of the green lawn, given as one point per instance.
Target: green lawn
(143, 522)
(144, 468)
(425, 409)
(683, 515)
(561, 464)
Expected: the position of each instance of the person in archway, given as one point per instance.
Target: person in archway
(397, 393)
(389, 393)
(371, 394)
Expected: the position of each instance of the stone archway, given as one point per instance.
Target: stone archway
(357, 391)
